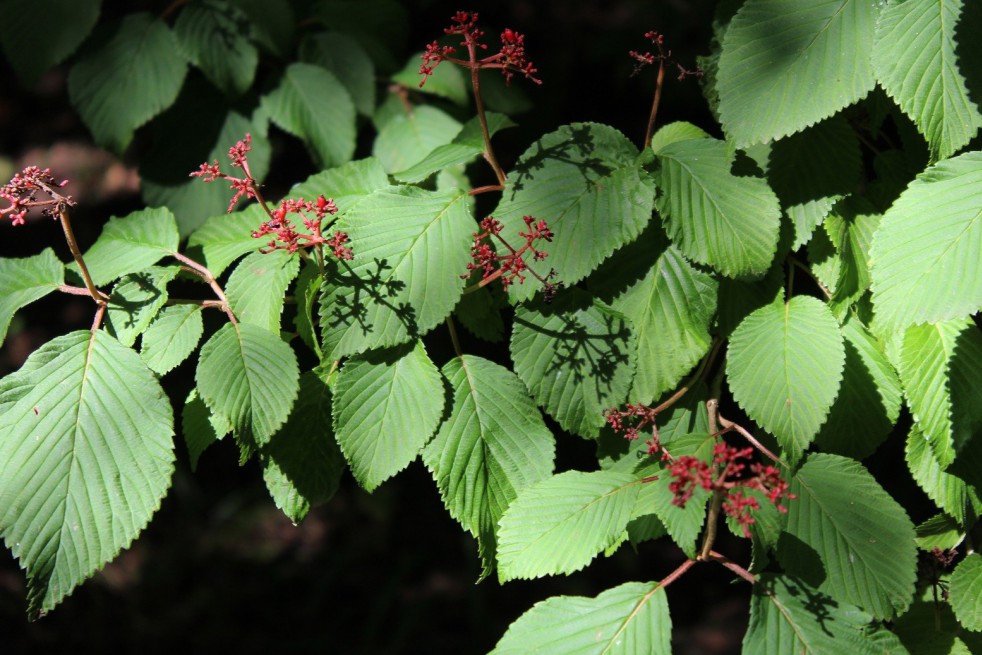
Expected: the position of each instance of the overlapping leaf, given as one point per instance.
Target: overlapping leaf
(25, 280)
(250, 376)
(171, 337)
(628, 619)
(226, 237)
(915, 62)
(126, 80)
(447, 81)
(930, 628)
(131, 244)
(925, 259)
(577, 356)
(966, 592)
(467, 145)
(715, 217)
(493, 445)
(784, 366)
(773, 77)
(408, 138)
(214, 35)
(387, 406)
(135, 301)
(86, 440)
(584, 181)
(200, 426)
(343, 55)
(257, 286)
(347, 185)
(560, 524)
(410, 247)
(848, 537)
(66, 24)
(840, 253)
(950, 493)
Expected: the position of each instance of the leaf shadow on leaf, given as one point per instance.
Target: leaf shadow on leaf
(816, 603)
(965, 380)
(627, 266)
(130, 307)
(800, 560)
(371, 287)
(581, 141)
(968, 51)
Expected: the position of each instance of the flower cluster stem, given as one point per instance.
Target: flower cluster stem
(66, 226)
(659, 83)
(201, 271)
(489, 155)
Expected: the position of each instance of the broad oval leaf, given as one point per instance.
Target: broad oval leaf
(86, 440)
(715, 217)
(629, 619)
(25, 280)
(408, 138)
(966, 592)
(577, 357)
(784, 364)
(214, 35)
(387, 405)
(311, 104)
(410, 248)
(343, 55)
(171, 337)
(493, 445)
(64, 27)
(585, 182)
(915, 62)
(250, 376)
(560, 524)
(257, 286)
(925, 255)
(127, 79)
(131, 244)
(773, 77)
(849, 538)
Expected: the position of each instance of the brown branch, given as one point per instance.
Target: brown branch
(733, 566)
(66, 226)
(654, 105)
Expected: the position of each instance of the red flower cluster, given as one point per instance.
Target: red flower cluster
(511, 59)
(22, 194)
(242, 186)
(643, 59)
(512, 266)
(615, 418)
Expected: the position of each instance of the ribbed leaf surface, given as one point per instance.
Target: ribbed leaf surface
(915, 62)
(348, 184)
(966, 592)
(408, 138)
(493, 445)
(127, 79)
(466, 146)
(131, 244)
(576, 356)
(135, 301)
(410, 248)
(784, 365)
(560, 524)
(257, 286)
(584, 181)
(387, 406)
(172, 336)
(214, 35)
(86, 441)
(925, 256)
(66, 24)
(850, 538)
(629, 619)
(774, 78)
(787, 616)
(949, 492)
(25, 280)
(250, 376)
(311, 104)
(715, 217)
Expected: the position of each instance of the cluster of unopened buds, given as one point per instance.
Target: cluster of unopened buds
(511, 59)
(22, 194)
(282, 230)
(511, 266)
(642, 59)
(732, 470)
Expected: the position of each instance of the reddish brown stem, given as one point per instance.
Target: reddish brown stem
(654, 104)
(66, 226)
(486, 188)
(479, 104)
(194, 267)
(730, 425)
(733, 566)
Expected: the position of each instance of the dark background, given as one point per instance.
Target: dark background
(220, 567)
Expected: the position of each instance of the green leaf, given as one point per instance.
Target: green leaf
(272, 24)
(628, 619)
(214, 35)
(171, 337)
(915, 62)
(466, 146)
(774, 78)
(250, 376)
(302, 465)
(408, 138)
(848, 537)
(70, 501)
(677, 131)
(135, 301)
(387, 406)
(585, 182)
(576, 355)
(929, 628)
(560, 524)
(312, 104)
(25, 280)
(925, 254)
(948, 491)
(128, 78)
(410, 247)
(788, 616)
(715, 217)
(257, 286)
(308, 292)
(131, 244)
(201, 427)
(869, 399)
(343, 55)
(784, 365)
(480, 312)
(381, 26)
(226, 237)
(348, 184)
(966, 592)
(940, 531)
(493, 445)
(446, 81)
(843, 266)
(64, 27)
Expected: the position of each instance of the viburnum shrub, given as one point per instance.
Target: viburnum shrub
(738, 322)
